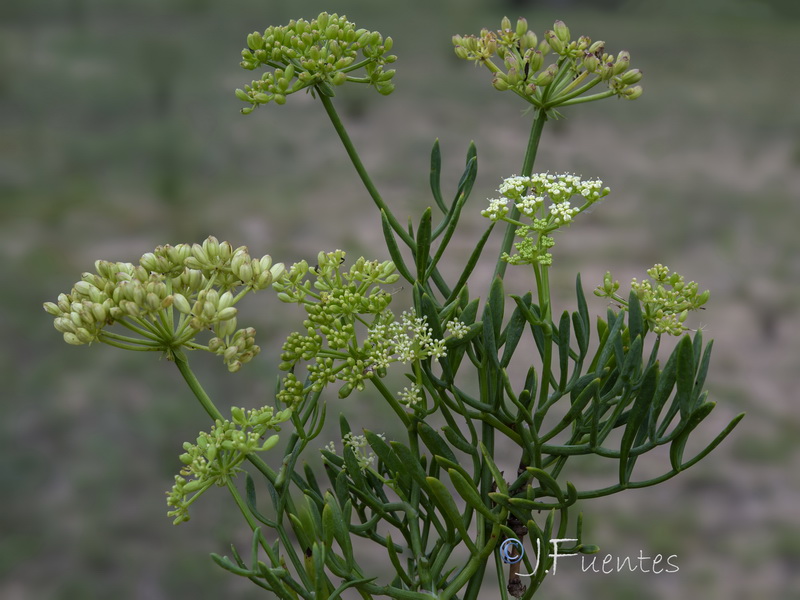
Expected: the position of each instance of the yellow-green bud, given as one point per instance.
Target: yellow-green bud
(505, 24)
(388, 44)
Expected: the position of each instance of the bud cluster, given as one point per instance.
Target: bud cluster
(578, 64)
(167, 299)
(528, 195)
(216, 456)
(316, 54)
(666, 301)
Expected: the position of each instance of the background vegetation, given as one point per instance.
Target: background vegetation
(120, 131)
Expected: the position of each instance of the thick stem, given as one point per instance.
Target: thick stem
(527, 169)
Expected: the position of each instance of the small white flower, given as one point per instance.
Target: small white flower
(528, 205)
(498, 208)
(410, 396)
(456, 328)
(513, 186)
(562, 213)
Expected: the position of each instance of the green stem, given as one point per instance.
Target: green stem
(240, 503)
(362, 172)
(591, 98)
(188, 375)
(527, 169)
(208, 405)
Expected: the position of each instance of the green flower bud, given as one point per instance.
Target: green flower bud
(226, 327)
(505, 24)
(192, 486)
(554, 42)
(591, 62)
(500, 82)
(622, 62)
(522, 28)
(72, 339)
(388, 44)
(597, 47)
(279, 99)
(632, 93)
(270, 442)
(99, 312)
(237, 414)
(562, 32)
(546, 77)
(227, 313)
(631, 77)
(52, 308)
(339, 78)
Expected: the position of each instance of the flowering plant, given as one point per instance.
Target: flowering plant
(437, 503)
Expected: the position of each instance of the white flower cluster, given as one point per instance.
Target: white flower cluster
(498, 208)
(528, 195)
(562, 212)
(407, 340)
(358, 444)
(410, 396)
(558, 187)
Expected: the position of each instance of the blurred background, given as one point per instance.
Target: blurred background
(120, 131)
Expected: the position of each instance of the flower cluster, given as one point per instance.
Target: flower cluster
(339, 305)
(358, 445)
(528, 195)
(666, 301)
(335, 301)
(167, 299)
(216, 456)
(316, 55)
(408, 340)
(580, 64)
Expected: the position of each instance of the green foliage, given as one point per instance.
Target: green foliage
(441, 491)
